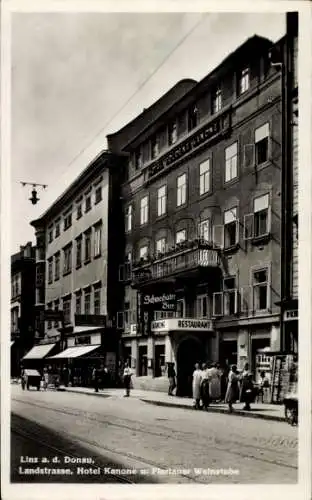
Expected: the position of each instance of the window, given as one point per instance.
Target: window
(172, 133)
(57, 259)
(79, 210)
(97, 240)
(67, 220)
(204, 177)
(192, 117)
(57, 228)
(160, 363)
(217, 101)
(262, 144)
(161, 200)
(98, 194)
(230, 296)
(181, 190)
(50, 270)
(181, 236)
(97, 301)
(138, 159)
(230, 227)
(87, 302)
(180, 308)
(154, 147)
(143, 252)
(67, 259)
(244, 81)
(261, 216)
(50, 234)
(78, 251)
(204, 230)
(78, 303)
(128, 218)
(161, 246)
(260, 287)
(88, 202)
(201, 306)
(56, 308)
(231, 162)
(144, 210)
(67, 311)
(87, 245)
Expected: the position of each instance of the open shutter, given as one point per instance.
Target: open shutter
(245, 300)
(269, 222)
(217, 304)
(218, 236)
(120, 319)
(269, 288)
(249, 155)
(235, 301)
(237, 232)
(248, 226)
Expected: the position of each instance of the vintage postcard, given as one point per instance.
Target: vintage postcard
(156, 249)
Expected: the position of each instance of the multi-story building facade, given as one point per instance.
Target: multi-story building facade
(202, 211)
(22, 304)
(77, 264)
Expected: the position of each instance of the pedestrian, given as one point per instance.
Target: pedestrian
(214, 377)
(127, 374)
(263, 387)
(45, 378)
(232, 392)
(246, 387)
(224, 380)
(196, 384)
(172, 379)
(95, 378)
(205, 387)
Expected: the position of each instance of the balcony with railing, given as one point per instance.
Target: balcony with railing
(183, 260)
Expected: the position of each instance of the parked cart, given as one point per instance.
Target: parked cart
(31, 378)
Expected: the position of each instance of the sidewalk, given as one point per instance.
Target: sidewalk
(259, 410)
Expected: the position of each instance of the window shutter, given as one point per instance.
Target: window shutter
(236, 301)
(237, 231)
(249, 155)
(269, 222)
(248, 226)
(269, 287)
(230, 215)
(218, 236)
(217, 304)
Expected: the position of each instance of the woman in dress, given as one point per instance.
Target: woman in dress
(205, 387)
(214, 375)
(196, 385)
(246, 387)
(232, 392)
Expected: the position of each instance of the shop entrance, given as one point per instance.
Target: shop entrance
(228, 352)
(190, 351)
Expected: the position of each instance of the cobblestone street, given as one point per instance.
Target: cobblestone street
(138, 435)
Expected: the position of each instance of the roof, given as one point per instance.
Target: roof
(252, 45)
(104, 159)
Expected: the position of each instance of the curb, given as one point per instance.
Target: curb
(241, 413)
(216, 410)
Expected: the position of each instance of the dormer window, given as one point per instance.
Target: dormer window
(216, 101)
(192, 117)
(154, 147)
(172, 133)
(244, 80)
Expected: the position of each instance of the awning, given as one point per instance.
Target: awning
(39, 351)
(75, 352)
(86, 329)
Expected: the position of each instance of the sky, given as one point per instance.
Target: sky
(73, 73)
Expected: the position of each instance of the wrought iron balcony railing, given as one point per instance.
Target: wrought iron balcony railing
(181, 259)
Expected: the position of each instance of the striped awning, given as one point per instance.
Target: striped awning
(39, 351)
(75, 352)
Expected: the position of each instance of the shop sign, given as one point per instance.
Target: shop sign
(164, 302)
(90, 320)
(133, 329)
(183, 324)
(291, 315)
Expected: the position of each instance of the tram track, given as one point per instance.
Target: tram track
(242, 450)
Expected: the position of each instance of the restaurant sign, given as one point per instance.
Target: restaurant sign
(184, 324)
(163, 302)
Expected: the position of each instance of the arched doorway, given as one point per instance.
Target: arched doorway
(190, 351)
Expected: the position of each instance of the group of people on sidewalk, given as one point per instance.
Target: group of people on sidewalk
(207, 386)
